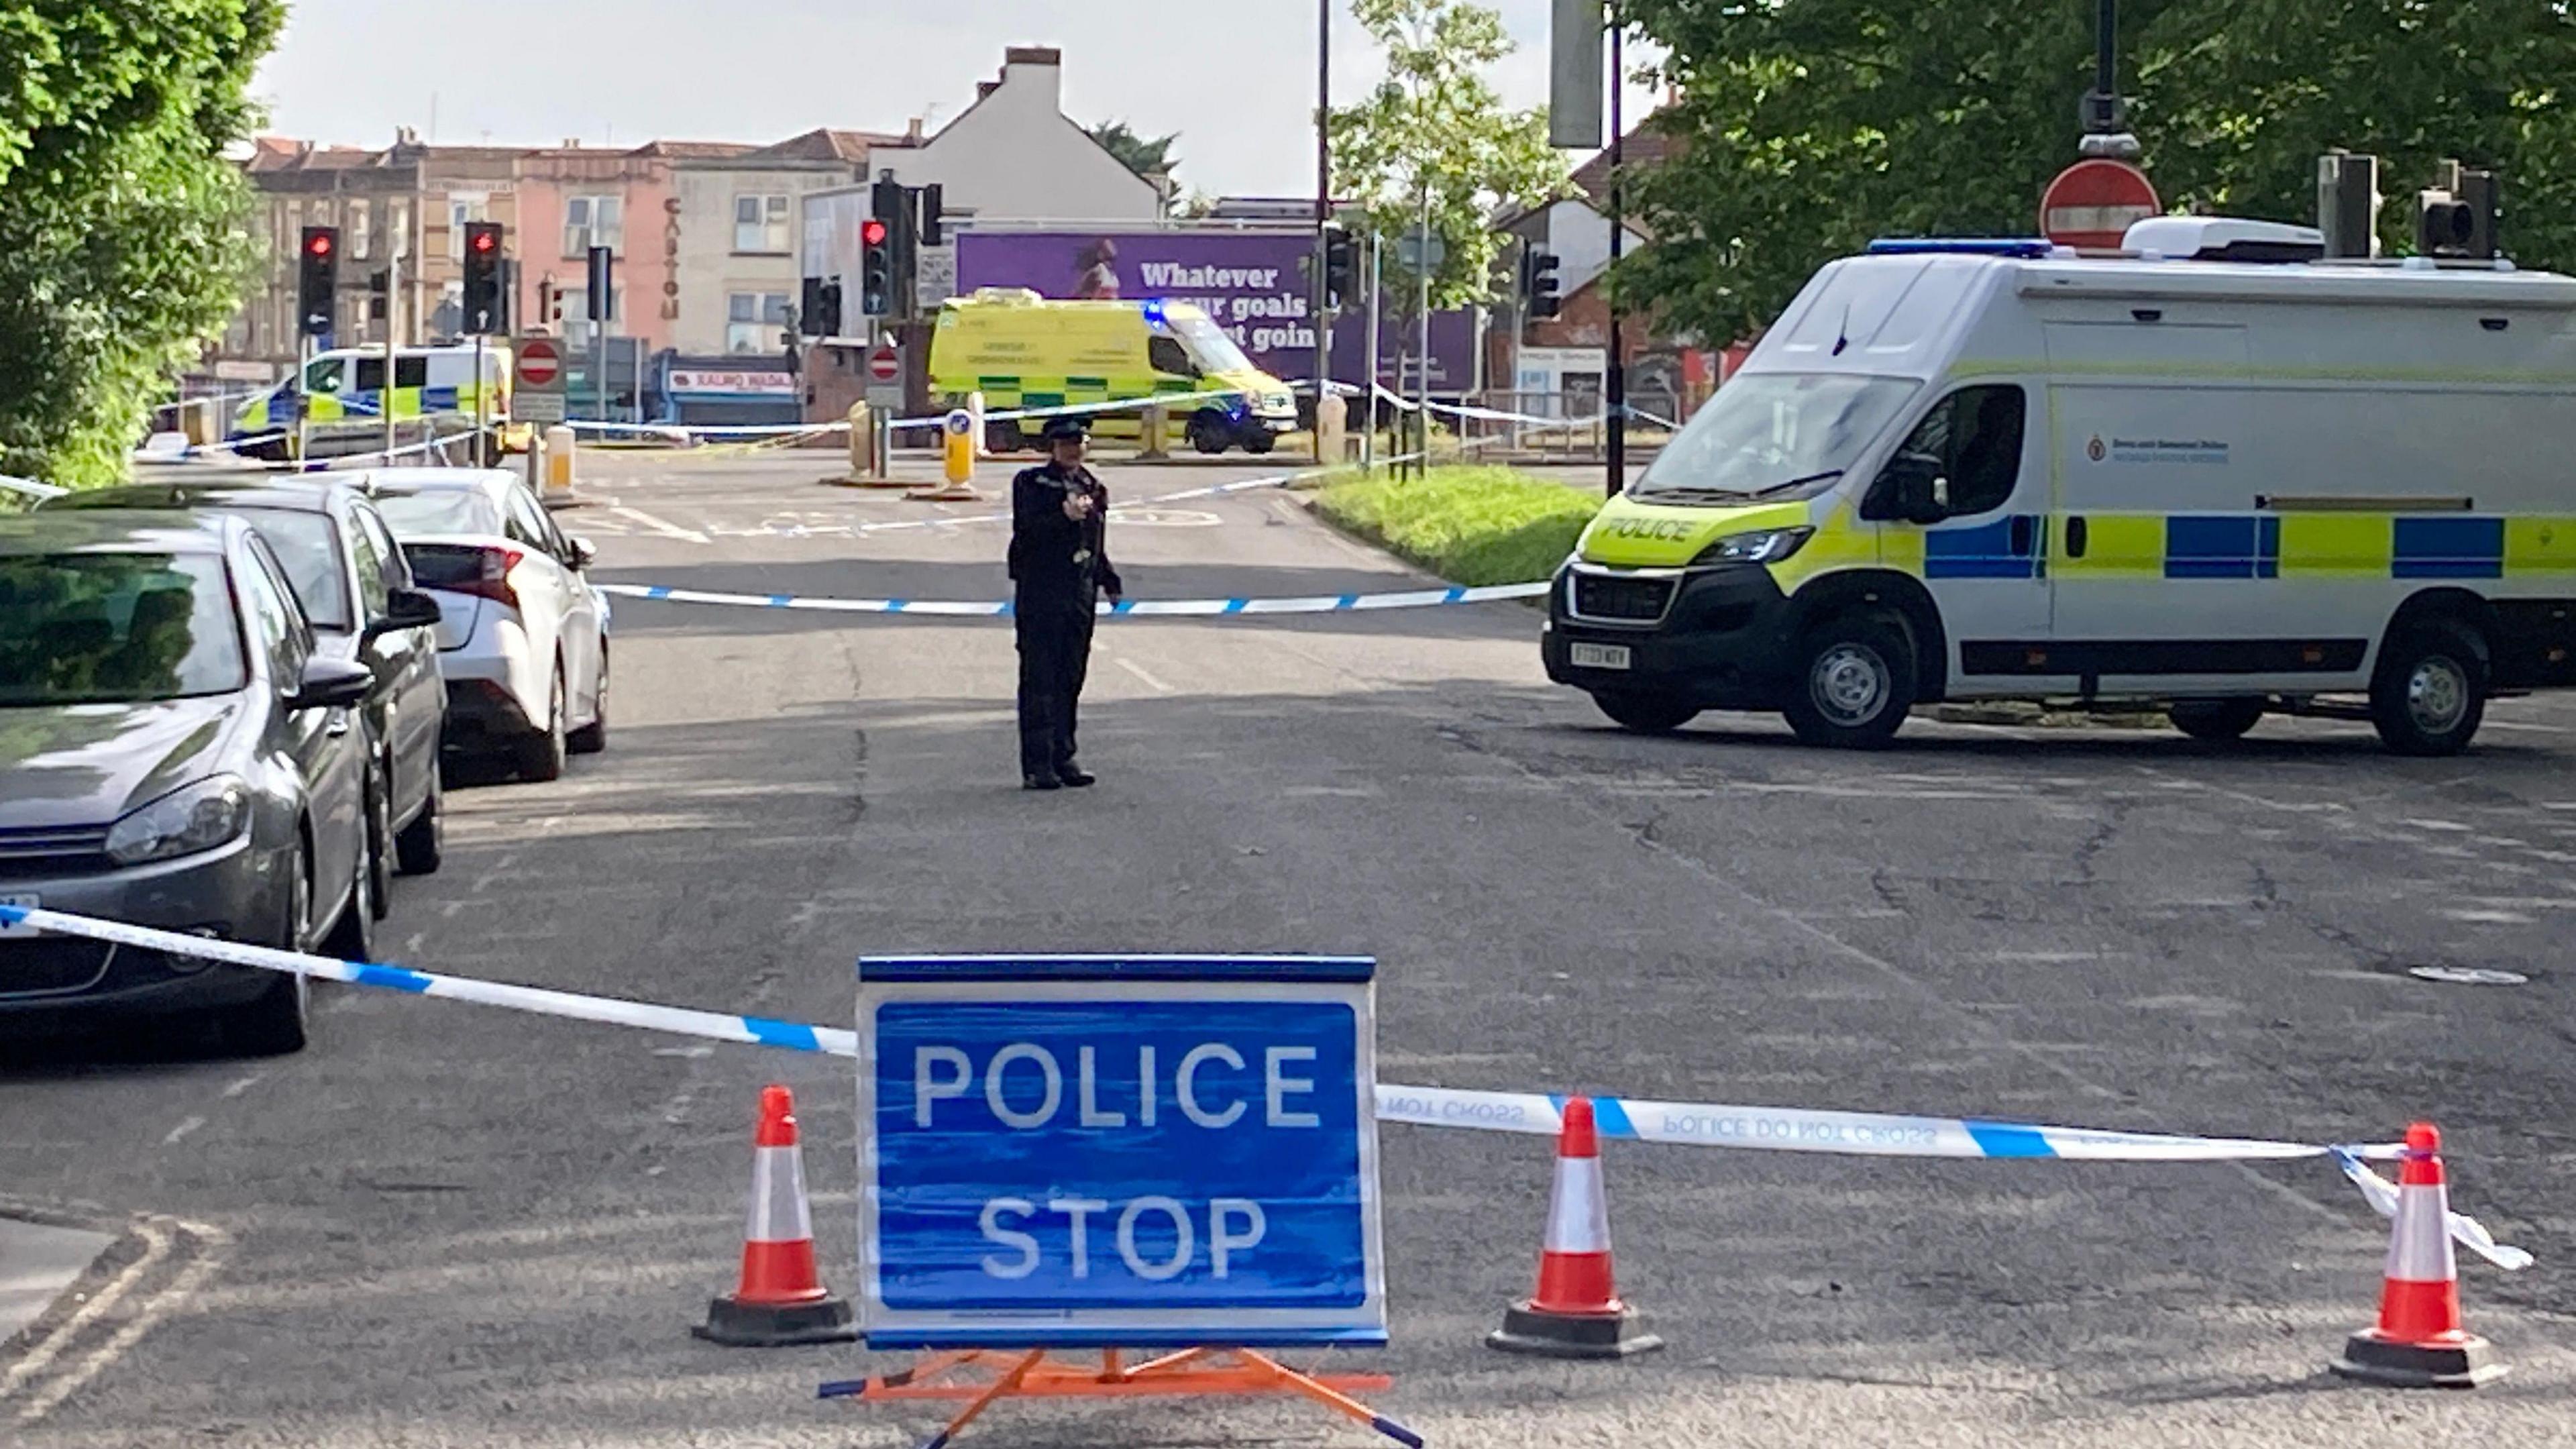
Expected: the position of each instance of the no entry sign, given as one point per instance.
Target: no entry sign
(2092, 203)
(884, 364)
(540, 363)
(1134, 1152)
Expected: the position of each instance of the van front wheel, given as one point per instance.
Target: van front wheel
(1854, 682)
(2430, 692)
(1208, 433)
(1646, 714)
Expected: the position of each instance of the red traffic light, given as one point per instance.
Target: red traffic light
(483, 241)
(319, 244)
(872, 232)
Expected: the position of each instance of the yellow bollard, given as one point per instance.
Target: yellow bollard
(957, 437)
(559, 468)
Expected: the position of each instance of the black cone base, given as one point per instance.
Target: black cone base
(762, 1325)
(1572, 1335)
(2462, 1365)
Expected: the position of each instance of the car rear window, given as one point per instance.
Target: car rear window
(444, 510)
(309, 545)
(114, 628)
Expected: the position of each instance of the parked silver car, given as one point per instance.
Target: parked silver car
(176, 751)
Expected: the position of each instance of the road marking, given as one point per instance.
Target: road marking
(1134, 668)
(667, 530)
(182, 1130)
(2529, 729)
(244, 1085)
(156, 1246)
(2491, 918)
(156, 1308)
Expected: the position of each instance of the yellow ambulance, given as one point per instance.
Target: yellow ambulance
(1022, 351)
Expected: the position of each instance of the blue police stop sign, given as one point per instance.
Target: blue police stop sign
(1129, 1151)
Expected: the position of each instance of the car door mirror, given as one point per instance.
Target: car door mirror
(332, 684)
(584, 552)
(1912, 488)
(405, 609)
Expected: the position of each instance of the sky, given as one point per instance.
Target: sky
(1236, 78)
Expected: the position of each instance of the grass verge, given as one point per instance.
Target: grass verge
(1470, 525)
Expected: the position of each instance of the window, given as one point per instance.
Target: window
(380, 537)
(760, 224)
(1168, 358)
(593, 221)
(368, 558)
(102, 628)
(279, 632)
(460, 210)
(326, 377)
(527, 523)
(307, 548)
(1976, 434)
(755, 321)
(362, 231)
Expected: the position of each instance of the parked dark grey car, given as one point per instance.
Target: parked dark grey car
(176, 751)
(356, 588)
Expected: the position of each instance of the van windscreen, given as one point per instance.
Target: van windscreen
(1775, 435)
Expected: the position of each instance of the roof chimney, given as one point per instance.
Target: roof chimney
(1039, 68)
(912, 131)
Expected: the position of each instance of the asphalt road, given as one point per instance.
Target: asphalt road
(450, 1226)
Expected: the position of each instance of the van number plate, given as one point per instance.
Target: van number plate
(8, 931)
(1600, 656)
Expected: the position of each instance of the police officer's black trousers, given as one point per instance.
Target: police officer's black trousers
(1055, 657)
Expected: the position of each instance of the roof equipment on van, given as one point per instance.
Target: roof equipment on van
(1906, 246)
(2224, 239)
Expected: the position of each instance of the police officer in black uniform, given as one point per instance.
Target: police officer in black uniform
(1060, 567)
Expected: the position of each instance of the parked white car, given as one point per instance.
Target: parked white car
(523, 642)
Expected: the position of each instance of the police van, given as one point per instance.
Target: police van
(341, 396)
(2214, 473)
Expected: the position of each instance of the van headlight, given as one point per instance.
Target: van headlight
(1766, 547)
(204, 815)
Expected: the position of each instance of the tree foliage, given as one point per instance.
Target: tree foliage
(1436, 129)
(1807, 127)
(121, 245)
(1148, 156)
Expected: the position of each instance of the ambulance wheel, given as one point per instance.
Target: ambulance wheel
(1854, 681)
(2430, 693)
(1646, 714)
(1208, 433)
(1258, 441)
(2217, 720)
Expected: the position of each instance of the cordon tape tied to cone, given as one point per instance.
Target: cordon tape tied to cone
(780, 1298)
(2420, 1341)
(1576, 1312)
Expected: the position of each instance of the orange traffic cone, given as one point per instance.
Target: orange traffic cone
(781, 1298)
(2418, 1342)
(1576, 1312)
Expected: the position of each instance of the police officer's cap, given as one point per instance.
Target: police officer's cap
(1073, 429)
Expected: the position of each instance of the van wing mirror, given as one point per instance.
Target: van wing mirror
(1912, 488)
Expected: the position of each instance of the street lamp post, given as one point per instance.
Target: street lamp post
(1323, 215)
(2106, 112)
(1618, 370)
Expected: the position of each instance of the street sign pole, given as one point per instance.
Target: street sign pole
(1422, 335)
(393, 346)
(1368, 365)
(1618, 368)
(482, 453)
(1323, 215)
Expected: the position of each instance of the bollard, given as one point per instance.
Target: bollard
(559, 449)
(1157, 434)
(863, 441)
(975, 410)
(960, 439)
(197, 421)
(1331, 415)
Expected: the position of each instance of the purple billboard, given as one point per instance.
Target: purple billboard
(1252, 284)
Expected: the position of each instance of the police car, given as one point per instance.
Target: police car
(2214, 473)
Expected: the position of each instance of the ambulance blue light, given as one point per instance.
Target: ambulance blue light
(1154, 313)
(1909, 246)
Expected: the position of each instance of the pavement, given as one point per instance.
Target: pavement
(444, 1225)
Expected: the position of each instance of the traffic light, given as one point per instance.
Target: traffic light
(549, 302)
(819, 306)
(317, 281)
(380, 292)
(1538, 284)
(933, 209)
(483, 310)
(2461, 215)
(1341, 265)
(876, 268)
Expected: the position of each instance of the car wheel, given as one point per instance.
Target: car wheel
(2217, 721)
(380, 843)
(423, 843)
(1854, 682)
(540, 756)
(1259, 441)
(354, 938)
(273, 1023)
(1646, 714)
(592, 738)
(2430, 693)
(1207, 434)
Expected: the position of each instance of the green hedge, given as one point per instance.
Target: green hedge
(1472, 526)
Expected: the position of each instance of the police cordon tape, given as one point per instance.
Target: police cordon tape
(1121, 609)
(1695, 1124)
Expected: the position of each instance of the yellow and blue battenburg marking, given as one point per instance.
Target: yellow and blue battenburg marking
(2271, 546)
(2007, 548)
